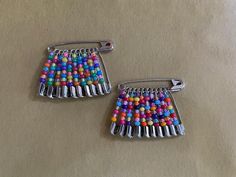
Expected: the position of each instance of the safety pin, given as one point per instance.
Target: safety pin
(105, 45)
(177, 84)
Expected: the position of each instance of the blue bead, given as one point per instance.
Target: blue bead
(147, 107)
(79, 58)
(129, 114)
(118, 103)
(88, 78)
(63, 67)
(63, 75)
(155, 120)
(136, 123)
(50, 75)
(172, 111)
(80, 62)
(99, 73)
(96, 65)
(69, 66)
(45, 68)
(157, 102)
(58, 69)
(63, 64)
(91, 68)
(60, 57)
(166, 113)
(176, 122)
(76, 76)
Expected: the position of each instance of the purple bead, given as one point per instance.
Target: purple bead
(128, 123)
(42, 80)
(69, 84)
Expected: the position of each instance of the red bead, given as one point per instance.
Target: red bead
(144, 124)
(130, 107)
(148, 115)
(156, 124)
(167, 100)
(163, 106)
(172, 115)
(63, 83)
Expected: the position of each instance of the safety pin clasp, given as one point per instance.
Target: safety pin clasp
(176, 84)
(104, 45)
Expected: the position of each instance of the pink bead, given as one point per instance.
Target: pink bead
(147, 98)
(69, 73)
(49, 61)
(156, 124)
(80, 65)
(56, 57)
(116, 111)
(114, 115)
(51, 72)
(137, 119)
(159, 110)
(75, 72)
(63, 71)
(65, 54)
(75, 69)
(122, 122)
(168, 122)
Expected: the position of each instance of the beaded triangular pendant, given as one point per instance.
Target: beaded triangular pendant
(147, 112)
(75, 73)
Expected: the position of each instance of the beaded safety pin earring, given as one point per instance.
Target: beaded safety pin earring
(75, 72)
(147, 112)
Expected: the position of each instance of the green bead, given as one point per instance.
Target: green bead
(50, 57)
(50, 79)
(83, 83)
(74, 55)
(49, 83)
(101, 81)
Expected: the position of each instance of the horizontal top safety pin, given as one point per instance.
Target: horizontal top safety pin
(105, 45)
(177, 84)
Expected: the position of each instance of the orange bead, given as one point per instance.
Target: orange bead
(113, 119)
(167, 100)
(153, 108)
(123, 114)
(76, 83)
(131, 99)
(95, 82)
(136, 103)
(163, 124)
(144, 124)
(47, 64)
(136, 115)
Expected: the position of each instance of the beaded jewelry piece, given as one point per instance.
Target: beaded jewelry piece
(75, 72)
(147, 112)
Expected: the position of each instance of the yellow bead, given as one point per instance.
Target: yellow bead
(143, 120)
(136, 99)
(69, 80)
(163, 124)
(142, 109)
(69, 77)
(128, 119)
(113, 119)
(81, 69)
(64, 59)
(90, 61)
(170, 107)
(89, 82)
(150, 122)
(57, 83)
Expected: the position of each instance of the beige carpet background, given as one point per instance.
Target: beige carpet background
(190, 39)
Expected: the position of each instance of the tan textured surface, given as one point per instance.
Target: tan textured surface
(193, 40)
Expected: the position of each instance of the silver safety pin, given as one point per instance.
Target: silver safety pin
(176, 84)
(104, 45)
